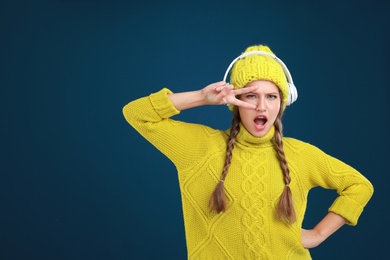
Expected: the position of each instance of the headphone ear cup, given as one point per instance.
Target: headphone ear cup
(293, 94)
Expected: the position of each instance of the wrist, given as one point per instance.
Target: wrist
(185, 100)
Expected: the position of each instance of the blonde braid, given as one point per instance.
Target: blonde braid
(285, 208)
(217, 201)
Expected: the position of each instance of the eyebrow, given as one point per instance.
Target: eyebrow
(255, 93)
(270, 93)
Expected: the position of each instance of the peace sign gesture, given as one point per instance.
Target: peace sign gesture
(223, 93)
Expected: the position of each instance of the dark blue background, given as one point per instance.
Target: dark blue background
(77, 182)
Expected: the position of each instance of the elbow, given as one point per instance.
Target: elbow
(126, 112)
(370, 188)
(366, 191)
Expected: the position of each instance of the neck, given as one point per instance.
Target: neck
(245, 138)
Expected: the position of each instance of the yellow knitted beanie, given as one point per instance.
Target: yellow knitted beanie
(259, 67)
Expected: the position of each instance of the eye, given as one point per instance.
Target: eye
(272, 96)
(250, 96)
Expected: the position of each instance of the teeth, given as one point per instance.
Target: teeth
(260, 120)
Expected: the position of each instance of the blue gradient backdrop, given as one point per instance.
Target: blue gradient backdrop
(77, 182)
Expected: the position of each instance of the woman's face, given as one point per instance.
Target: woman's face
(267, 100)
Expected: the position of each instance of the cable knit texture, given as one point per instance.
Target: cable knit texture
(249, 228)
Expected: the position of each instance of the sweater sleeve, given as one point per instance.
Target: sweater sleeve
(183, 143)
(353, 189)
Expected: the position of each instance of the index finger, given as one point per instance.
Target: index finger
(244, 90)
(241, 103)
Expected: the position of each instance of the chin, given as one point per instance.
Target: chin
(256, 133)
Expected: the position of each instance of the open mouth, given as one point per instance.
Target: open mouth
(260, 121)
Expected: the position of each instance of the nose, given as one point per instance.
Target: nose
(261, 105)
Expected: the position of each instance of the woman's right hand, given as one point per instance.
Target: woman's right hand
(223, 93)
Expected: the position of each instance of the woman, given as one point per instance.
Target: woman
(244, 190)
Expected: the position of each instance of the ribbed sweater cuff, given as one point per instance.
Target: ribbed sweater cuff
(347, 208)
(162, 104)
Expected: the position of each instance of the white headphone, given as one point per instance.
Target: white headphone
(292, 90)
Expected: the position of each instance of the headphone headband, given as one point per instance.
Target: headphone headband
(293, 93)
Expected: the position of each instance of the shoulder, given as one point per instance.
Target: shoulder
(294, 145)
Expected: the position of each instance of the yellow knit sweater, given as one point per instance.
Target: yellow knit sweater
(249, 228)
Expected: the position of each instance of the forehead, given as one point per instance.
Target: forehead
(263, 86)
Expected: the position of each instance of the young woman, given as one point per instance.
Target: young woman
(244, 190)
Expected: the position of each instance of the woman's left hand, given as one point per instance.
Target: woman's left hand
(327, 226)
(310, 238)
